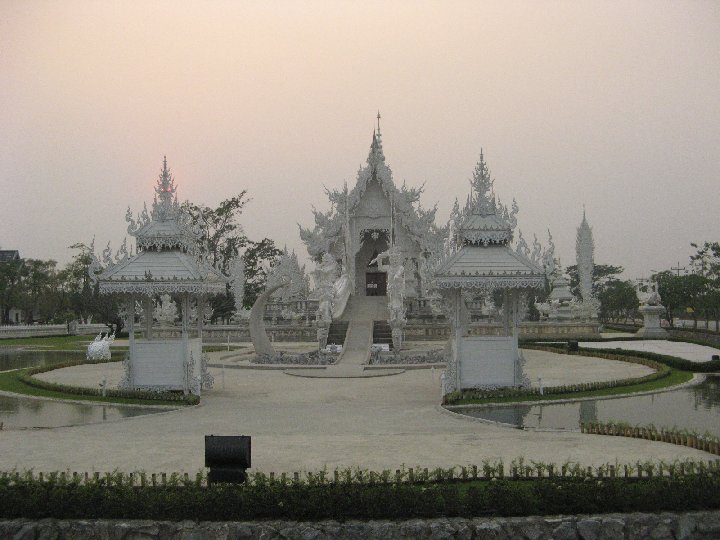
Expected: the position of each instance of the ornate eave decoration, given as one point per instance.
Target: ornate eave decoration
(490, 283)
(154, 288)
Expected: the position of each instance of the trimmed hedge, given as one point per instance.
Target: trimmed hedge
(26, 377)
(116, 497)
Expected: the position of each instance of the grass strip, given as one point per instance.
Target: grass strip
(12, 381)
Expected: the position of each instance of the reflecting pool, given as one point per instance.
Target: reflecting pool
(696, 408)
(21, 412)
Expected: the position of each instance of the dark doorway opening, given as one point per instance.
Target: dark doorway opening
(375, 284)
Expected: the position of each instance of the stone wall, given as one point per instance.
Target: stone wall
(690, 526)
(221, 333)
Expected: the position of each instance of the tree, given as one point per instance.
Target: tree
(602, 274)
(10, 278)
(706, 262)
(618, 300)
(222, 239)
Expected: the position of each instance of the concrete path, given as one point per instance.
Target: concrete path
(681, 349)
(307, 424)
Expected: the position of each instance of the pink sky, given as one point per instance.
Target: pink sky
(609, 104)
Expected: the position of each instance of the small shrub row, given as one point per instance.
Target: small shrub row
(27, 377)
(117, 496)
(706, 442)
(661, 371)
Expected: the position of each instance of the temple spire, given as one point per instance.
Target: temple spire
(165, 191)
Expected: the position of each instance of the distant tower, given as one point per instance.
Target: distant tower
(585, 251)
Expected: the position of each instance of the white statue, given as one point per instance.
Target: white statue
(166, 311)
(99, 349)
(325, 276)
(395, 290)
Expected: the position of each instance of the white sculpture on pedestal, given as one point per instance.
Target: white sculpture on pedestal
(651, 310)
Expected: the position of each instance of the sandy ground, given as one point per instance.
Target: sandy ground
(307, 424)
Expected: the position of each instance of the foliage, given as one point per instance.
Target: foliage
(223, 239)
(532, 489)
(695, 294)
(602, 274)
(47, 294)
(10, 275)
(618, 299)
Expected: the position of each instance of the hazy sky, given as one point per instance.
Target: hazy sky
(615, 105)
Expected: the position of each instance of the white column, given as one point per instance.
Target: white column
(507, 307)
(130, 307)
(185, 356)
(148, 314)
(200, 304)
(459, 330)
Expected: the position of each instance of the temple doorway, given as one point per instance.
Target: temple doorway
(375, 284)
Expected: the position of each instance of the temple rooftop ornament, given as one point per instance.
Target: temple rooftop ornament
(168, 262)
(479, 256)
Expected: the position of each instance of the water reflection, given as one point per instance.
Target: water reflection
(16, 412)
(29, 412)
(19, 358)
(695, 408)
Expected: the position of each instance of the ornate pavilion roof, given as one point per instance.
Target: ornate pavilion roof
(167, 259)
(478, 252)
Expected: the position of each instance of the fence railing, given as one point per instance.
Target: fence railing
(15, 331)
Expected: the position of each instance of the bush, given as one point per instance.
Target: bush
(364, 496)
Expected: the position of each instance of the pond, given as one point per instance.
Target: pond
(695, 408)
(22, 412)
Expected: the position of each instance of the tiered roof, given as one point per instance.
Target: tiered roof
(329, 226)
(167, 259)
(478, 253)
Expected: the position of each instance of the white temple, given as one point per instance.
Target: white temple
(352, 243)
(479, 258)
(167, 263)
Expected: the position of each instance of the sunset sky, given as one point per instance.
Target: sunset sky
(611, 105)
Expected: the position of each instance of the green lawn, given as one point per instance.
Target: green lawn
(60, 343)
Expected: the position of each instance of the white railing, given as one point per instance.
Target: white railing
(341, 294)
(38, 330)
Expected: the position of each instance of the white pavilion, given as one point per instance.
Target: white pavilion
(478, 258)
(166, 263)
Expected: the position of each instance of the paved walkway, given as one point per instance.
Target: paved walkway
(688, 351)
(307, 424)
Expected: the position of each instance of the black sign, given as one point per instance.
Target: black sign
(227, 451)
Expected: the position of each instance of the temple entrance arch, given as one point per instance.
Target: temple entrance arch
(369, 280)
